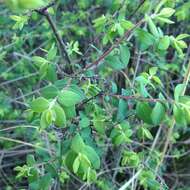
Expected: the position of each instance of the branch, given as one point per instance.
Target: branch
(140, 98)
(123, 187)
(138, 7)
(117, 43)
(80, 106)
(62, 47)
(170, 130)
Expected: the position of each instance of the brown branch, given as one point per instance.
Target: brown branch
(140, 98)
(138, 7)
(117, 43)
(62, 47)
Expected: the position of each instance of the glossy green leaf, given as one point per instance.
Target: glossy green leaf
(92, 156)
(179, 115)
(130, 158)
(178, 91)
(144, 112)
(21, 5)
(99, 123)
(164, 43)
(114, 62)
(144, 38)
(70, 112)
(166, 12)
(124, 55)
(51, 73)
(144, 133)
(77, 143)
(46, 119)
(45, 182)
(70, 158)
(68, 98)
(50, 91)
(158, 113)
(152, 27)
(164, 20)
(39, 105)
(60, 117)
(91, 175)
(76, 164)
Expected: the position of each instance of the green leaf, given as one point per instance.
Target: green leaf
(77, 144)
(60, 117)
(84, 121)
(70, 112)
(187, 115)
(157, 80)
(121, 134)
(39, 60)
(164, 20)
(20, 21)
(68, 98)
(39, 105)
(51, 168)
(92, 156)
(182, 36)
(181, 44)
(119, 139)
(144, 112)
(158, 113)
(45, 181)
(122, 110)
(152, 27)
(124, 55)
(100, 21)
(70, 158)
(178, 48)
(50, 91)
(153, 71)
(166, 12)
(144, 133)
(99, 123)
(51, 73)
(30, 160)
(164, 43)
(184, 100)
(46, 119)
(30, 4)
(179, 115)
(145, 176)
(126, 24)
(91, 175)
(118, 62)
(43, 70)
(130, 158)
(76, 164)
(114, 62)
(178, 91)
(144, 38)
(84, 162)
(52, 52)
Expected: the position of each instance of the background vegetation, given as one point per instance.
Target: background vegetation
(94, 94)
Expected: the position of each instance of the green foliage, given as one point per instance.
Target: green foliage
(20, 5)
(93, 93)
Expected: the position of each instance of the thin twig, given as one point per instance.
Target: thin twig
(136, 10)
(62, 47)
(153, 100)
(107, 52)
